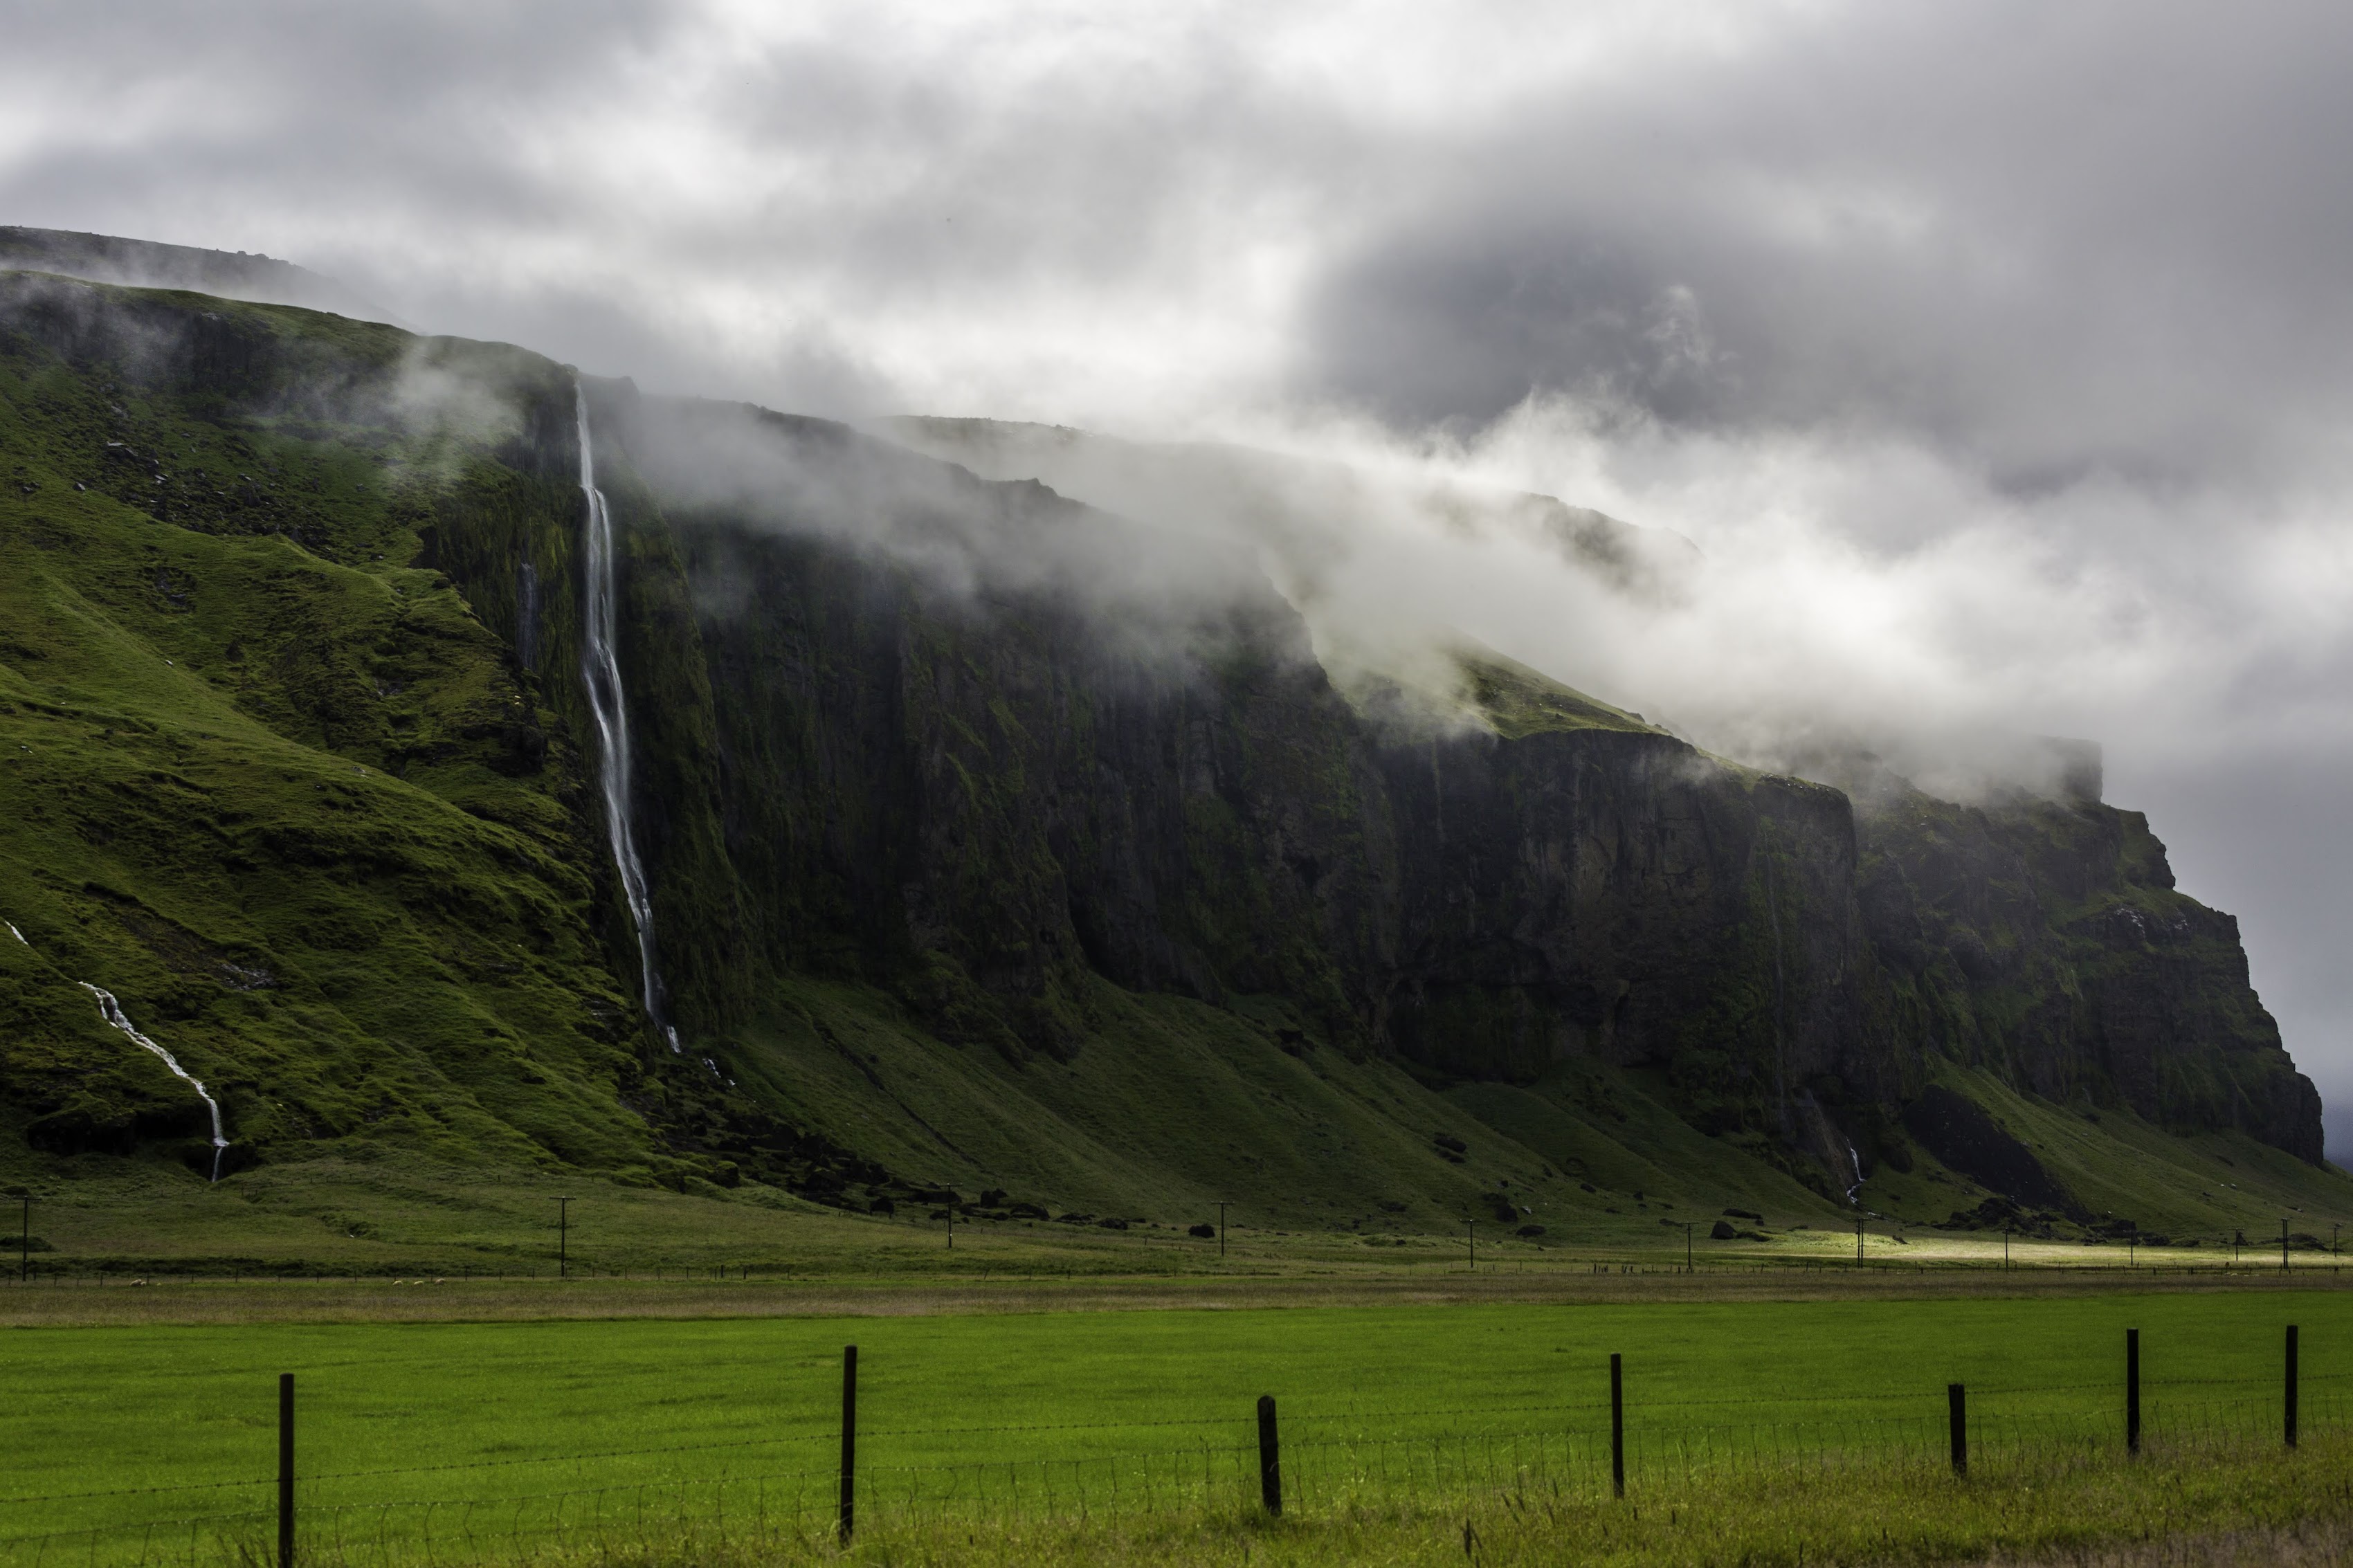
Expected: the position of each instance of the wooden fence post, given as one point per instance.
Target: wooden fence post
(1616, 1425)
(285, 1469)
(2290, 1385)
(1956, 1406)
(2132, 1391)
(1270, 1457)
(849, 1440)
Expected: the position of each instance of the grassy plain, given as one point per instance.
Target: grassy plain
(979, 1407)
(2200, 1510)
(366, 1212)
(2203, 1509)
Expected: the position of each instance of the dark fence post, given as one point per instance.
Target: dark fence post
(848, 1439)
(285, 1469)
(2132, 1391)
(1957, 1403)
(1616, 1425)
(1270, 1457)
(2290, 1385)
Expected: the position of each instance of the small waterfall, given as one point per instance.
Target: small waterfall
(1856, 1161)
(111, 1011)
(527, 618)
(601, 668)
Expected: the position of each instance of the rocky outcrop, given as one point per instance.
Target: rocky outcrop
(994, 754)
(993, 797)
(143, 263)
(978, 787)
(2045, 939)
(1958, 1131)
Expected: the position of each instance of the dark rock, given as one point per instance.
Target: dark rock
(1965, 1136)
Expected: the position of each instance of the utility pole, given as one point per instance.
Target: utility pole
(2283, 1243)
(1221, 1227)
(1687, 1252)
(1474, 1246)
(563, 1238)
(1858, 1238)
(2005, 1246)
(25, 1239)
(2132, 1246)
(951, 1213)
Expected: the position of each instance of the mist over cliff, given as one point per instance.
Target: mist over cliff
(977, 827)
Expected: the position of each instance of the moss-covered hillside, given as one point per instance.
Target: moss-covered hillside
(964, 879)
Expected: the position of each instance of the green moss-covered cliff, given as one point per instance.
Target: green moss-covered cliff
(918, 758)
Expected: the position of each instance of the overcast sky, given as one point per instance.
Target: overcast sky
(1995, 355)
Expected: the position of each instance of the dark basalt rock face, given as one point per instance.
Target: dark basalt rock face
(2044, 939)
(996, 752)
(1617, 894)
(983, 790)
(1960, 1132)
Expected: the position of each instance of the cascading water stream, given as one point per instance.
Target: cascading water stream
(601, 668)
(1856, 1161)
(111, 1011)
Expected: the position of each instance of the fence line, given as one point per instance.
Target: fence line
(2150, 1387)
(1319, 1475)
(1329, 1462)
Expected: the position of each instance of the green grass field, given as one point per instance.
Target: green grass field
(129, 1425)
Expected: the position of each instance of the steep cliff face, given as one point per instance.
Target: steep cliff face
(2044, 939)
(985, 797)
(997, 768)
(989, 794)
(1612, 893)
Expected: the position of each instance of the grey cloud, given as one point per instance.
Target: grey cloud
(622, 183)
(2103, 236)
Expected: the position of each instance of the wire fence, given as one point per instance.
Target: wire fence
(789, 1491)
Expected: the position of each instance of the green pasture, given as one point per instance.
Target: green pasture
(449, 1411)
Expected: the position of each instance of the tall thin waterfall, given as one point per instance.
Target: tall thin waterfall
(601, 668)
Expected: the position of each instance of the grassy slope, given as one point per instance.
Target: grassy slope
(2198, 1185)
(196, 727)
(1518, 701)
